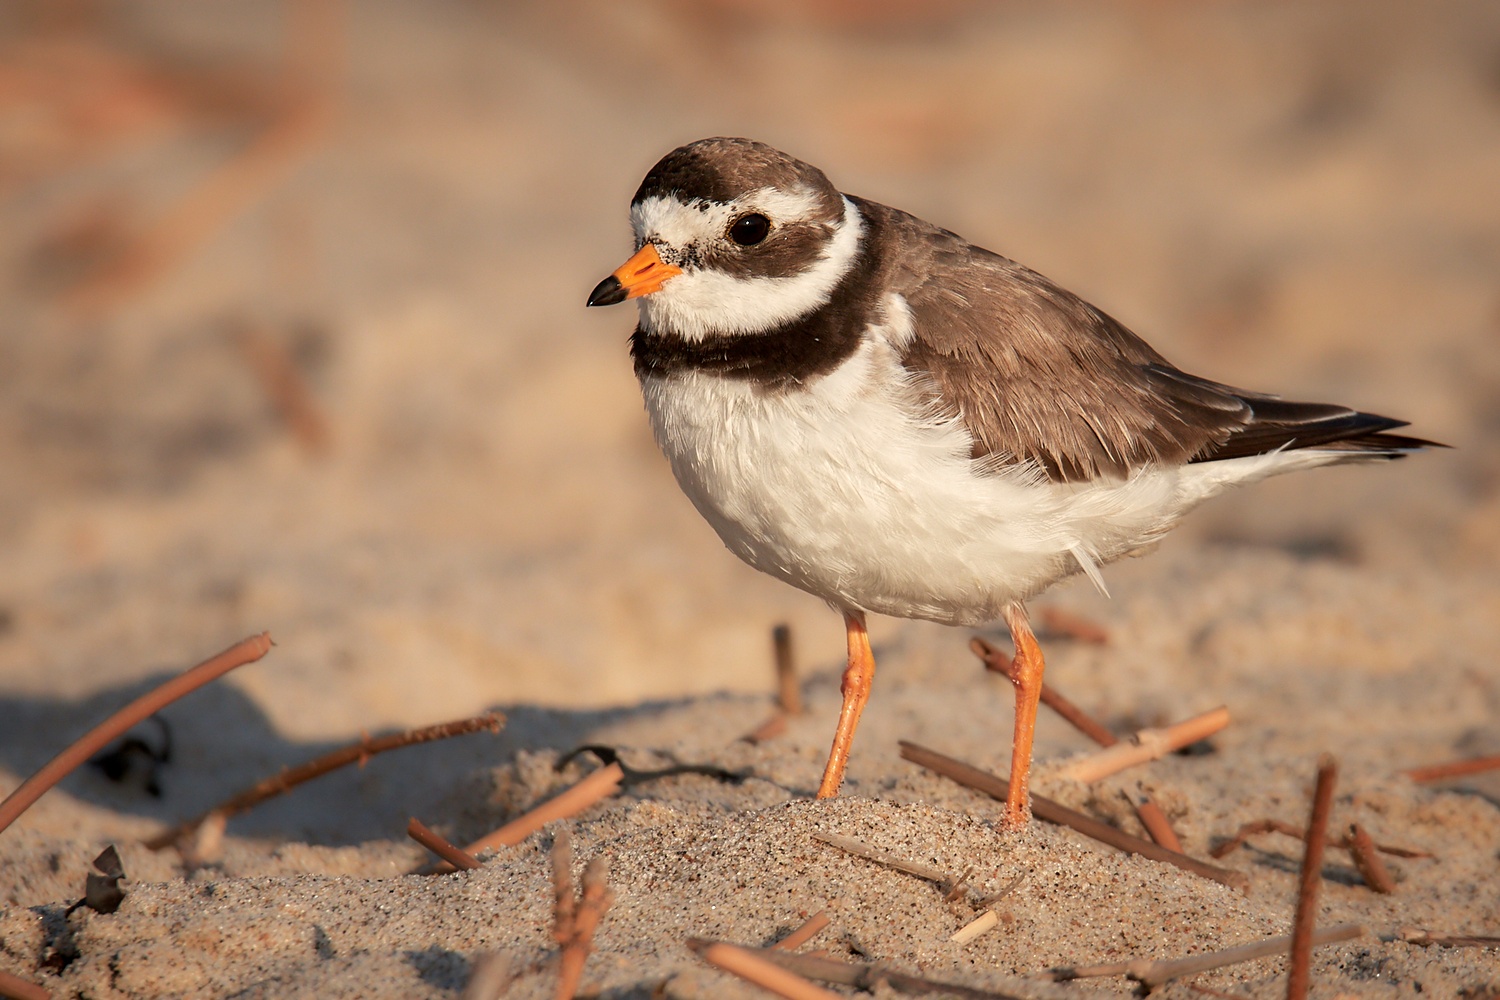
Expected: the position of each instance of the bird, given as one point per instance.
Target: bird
(872, 409)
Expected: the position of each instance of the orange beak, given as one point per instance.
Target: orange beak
(642, 274)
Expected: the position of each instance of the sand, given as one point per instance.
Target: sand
(1292, 198)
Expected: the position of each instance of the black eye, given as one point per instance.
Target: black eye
(749, 230)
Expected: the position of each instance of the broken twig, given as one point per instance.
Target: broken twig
(355, 753)
(16, 988)
(1054, 812)
(1259, 826)
(1367, 859)
(1311, 879)
(1154, 820)
(995, 660)
(598, 785)
(1147, 745)
(1425, 939)
(788, 692)
(1074, 626)
(1454, 769)
(989, 919)
(1152, 973)
(942, 879)
(285, 386)
(243, 652)
(754, 968)
(805, 933)
(773, 727)
(437, 844)
(862, 975)
(576, 920)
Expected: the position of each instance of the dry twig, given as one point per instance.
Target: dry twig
(942, 879)
(439, 845)
(1426, 939)
(788, 692)
(1367, 859)
(598, 785)
(1147, 745)
(865, 976)
(773, 727)
(1311, 878)
(1454, 769)
(1080, 720)
(243, 652)
(576, 919)
(242, 180)
(759, 970)
(1053, 812)
(287, 389)
(989, 919)
(355, 753)
(1259, 826)
(805, 933)
(1154, 820)
(1076, 626)
(1152, 973)
(16, 988)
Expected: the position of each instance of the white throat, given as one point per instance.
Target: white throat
(702, 301)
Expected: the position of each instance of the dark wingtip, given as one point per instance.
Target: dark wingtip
(607, 293)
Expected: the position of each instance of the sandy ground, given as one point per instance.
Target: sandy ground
(1295, 198)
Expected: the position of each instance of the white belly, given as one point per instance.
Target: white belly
(850, 493)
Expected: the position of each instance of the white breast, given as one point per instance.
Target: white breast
(846, 488)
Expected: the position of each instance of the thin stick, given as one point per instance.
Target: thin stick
(1147, 745)
(1425, 939)
(805, 933)
(1367, 859)
(1154, 820)
(989, 919)
(1054, 812)
(243, 652)
(1249, 830)
(1454, 769)
(1080, 720)
(1156, 973)
(283, 382)
(359, 752)
(863, 975)
(788, 691)
(437, 844)
(1067, 623)
(1312, 878)
(773, 727)
(592, 906)
(762, 972)
(986, 921)
(886, 859)
(598, 785)
(17, 988)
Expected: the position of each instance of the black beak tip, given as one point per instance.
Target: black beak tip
(607, 293)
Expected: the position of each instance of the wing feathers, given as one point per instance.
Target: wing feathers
(1038, 375)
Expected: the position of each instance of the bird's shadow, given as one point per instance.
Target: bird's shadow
(217, 742)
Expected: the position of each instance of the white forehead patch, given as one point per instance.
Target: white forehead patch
(662, 219)
(704, 301)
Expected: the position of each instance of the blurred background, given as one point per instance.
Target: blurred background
(293, 333)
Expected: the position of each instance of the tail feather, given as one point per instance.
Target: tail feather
(1279, 425)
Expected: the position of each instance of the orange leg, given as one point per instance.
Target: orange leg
(1027, 676)
(858, 676)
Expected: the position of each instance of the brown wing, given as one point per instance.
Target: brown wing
(1037, 374)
